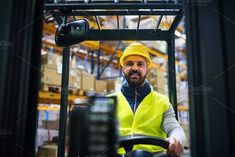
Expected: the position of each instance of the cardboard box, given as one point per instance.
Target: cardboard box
(52, 79)
(152, 78)
(75, 82)
(47, 151)
(75, 78)
(111, 86)
(51, 124)
(100, 86)
(50, 75)
(44, 136)
(47, 68)
(51, 58)
(88, 82)
(161, 82)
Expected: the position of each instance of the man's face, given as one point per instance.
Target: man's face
(135, 69)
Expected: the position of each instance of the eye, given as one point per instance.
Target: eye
(140, 64)
(128, 64)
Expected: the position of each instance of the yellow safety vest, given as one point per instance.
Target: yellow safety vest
(146, 121)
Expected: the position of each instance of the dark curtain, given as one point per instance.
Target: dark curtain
(20, 45)
(210, 27)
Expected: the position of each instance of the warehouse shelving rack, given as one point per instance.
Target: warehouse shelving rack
(60, 10)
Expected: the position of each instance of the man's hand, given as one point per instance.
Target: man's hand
(175, 148)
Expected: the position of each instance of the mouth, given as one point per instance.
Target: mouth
(134, 76)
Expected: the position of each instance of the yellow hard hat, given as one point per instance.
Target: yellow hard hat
(135, 49)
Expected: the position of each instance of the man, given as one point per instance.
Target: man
(142, 111)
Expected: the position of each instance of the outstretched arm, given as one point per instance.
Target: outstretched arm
(175, 133)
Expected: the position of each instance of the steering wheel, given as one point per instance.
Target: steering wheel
(128, 142)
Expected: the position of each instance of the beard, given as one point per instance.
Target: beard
(135, 81)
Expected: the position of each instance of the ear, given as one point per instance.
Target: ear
(122, 71)
(148, 70)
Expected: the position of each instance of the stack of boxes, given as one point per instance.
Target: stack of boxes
(152, 78)
(50, 78)
(51, 71)
(79, 80)
(88, 82)
(48, 125)
(158, 81)
(162, 82)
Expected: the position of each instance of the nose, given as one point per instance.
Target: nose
(134, 67)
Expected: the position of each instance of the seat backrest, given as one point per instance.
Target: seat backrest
(93, 128)
(78, 126)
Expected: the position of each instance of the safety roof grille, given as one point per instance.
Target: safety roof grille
(121, 8)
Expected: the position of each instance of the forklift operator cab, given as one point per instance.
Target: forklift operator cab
(93, 129)
(93, 132)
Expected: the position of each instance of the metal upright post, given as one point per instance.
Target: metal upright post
(172, 73)
(63, 102)
(92, 62)
(98, 64)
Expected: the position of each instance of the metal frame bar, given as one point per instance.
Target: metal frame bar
(159, 21)
(172, 74)
(176, 22)
(92, 62)
(58, 18)
(98, 64)
(138, 24)
(98, 22)
(117, 1)
(116, 12)
(154, 5)
(118, 27)
(63, 102)
(114, 34)
(171, 63)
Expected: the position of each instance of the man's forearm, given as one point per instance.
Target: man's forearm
(172, 127)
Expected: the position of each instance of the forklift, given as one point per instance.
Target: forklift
(210, 52)
(76, 31)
